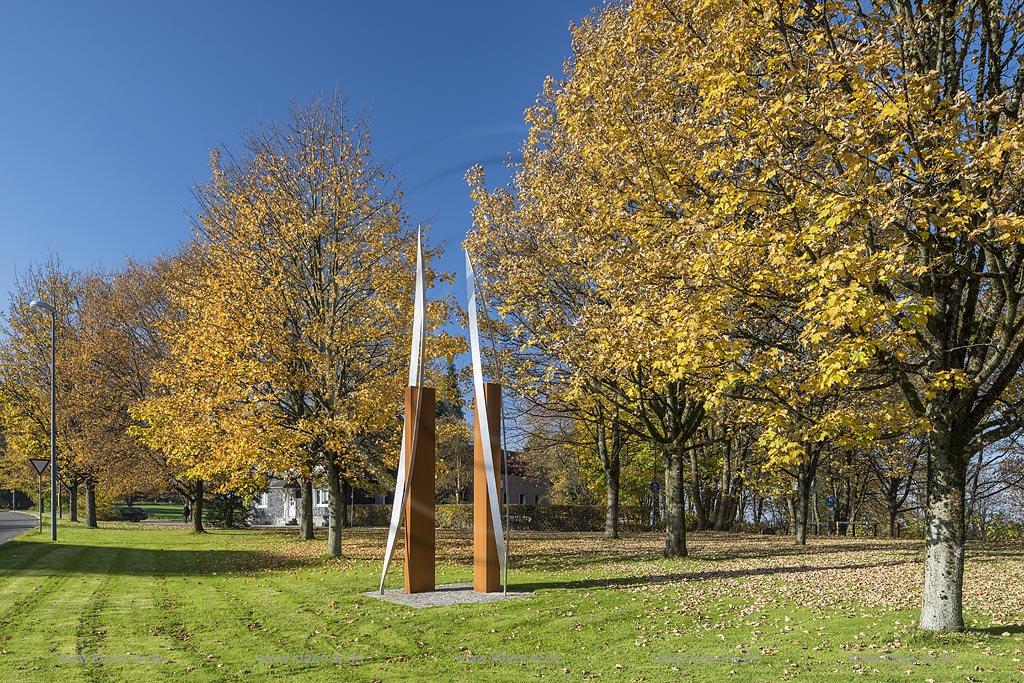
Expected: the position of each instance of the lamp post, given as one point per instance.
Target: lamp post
(43, 306)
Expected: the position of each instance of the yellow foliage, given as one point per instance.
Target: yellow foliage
(294, 309)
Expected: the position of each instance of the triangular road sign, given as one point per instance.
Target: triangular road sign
(39, 464)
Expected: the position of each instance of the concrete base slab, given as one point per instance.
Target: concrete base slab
(449, 594)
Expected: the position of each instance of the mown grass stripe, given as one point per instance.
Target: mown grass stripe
(91, 631)
(755, 606)
(40, 576)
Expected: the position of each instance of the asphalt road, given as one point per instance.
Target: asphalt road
(15, 524)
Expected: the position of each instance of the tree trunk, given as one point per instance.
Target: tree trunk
(942, 598)
(742, 500)
(842, 517)
(699, 511)
(814, 509)
(892, 504)
(791, 509)
(457, 471)
(197, 507)
(348, 509)
(90, 503)
(306, 522)
(971, 525)
(73, 497)
(611, 513)
(800, 505)
(724, 509)
(805, 473)
(609, 458)
(800, 518)
(336, 506)
(675, 510)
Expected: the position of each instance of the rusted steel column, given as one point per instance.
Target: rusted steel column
(419, 513)
(486, 565)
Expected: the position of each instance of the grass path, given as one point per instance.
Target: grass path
(133, 603)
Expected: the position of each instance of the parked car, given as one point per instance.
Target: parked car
(132, 514)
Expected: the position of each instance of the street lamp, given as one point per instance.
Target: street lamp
(43, 306)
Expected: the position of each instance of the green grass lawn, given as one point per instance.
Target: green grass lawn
(133, 603)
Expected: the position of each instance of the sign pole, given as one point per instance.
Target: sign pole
(833, 525)
(53, 425)
(40, 465)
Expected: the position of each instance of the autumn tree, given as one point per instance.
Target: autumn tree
(15, 473)
(723, 453)
(118, 347)
(294, 339)
(25, 363)
(870, 153)
(191, 426)
(105, 351)
(124, 315)
(554, 267)
(896, 464)
(556, 454)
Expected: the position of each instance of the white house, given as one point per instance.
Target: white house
(281, 505)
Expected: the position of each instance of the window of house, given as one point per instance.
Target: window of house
(536, 500)
(522, 499)
(261, 500)
(321, 497)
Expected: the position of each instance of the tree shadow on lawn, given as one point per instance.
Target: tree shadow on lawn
(732, 546)
(696, 576)
(1013, 629)
(81, 559)
(994, 550)
(570, 556)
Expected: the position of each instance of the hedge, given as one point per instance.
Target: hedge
(584, 518)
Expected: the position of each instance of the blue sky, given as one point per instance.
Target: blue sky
(109, 109)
